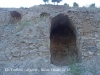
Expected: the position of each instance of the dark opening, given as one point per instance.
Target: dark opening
(15, 16)
(44, 15)
(62, 40)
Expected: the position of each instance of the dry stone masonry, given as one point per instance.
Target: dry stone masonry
(44, 37)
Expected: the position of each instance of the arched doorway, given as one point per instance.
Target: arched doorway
(62, 40)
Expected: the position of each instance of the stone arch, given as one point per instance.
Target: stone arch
(62, 41)
(44, 15)
(15, 16)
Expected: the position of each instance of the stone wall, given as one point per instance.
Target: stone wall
(25, 42)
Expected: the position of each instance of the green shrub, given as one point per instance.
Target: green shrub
(75, 4)
(92, 5)
(75, 68)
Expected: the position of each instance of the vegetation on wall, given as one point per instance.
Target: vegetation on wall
(46, 1)
(81, 68)
(66, 4)
(58, 1)
(55, 1)
(75, 4)
(92, 5)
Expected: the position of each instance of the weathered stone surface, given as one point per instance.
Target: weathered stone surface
(92, 48)
(98, 45)
(26, 44)
(89, 42)
(3, 57)
(8, 55)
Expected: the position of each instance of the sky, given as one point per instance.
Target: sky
(30, 3)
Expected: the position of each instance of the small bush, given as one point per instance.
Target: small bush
(75, 4)
(22, 25)
(66, 4)
(92, 5)
(75, 68)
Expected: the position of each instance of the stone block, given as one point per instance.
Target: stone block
(89, 42)
(3, 57)
(98, 45)
(92, 48)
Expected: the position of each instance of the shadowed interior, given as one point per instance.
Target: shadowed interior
(62, 40)
(15, 16)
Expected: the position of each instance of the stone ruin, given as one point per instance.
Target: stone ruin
(46, 36)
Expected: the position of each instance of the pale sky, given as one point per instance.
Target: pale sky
(29, 3)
